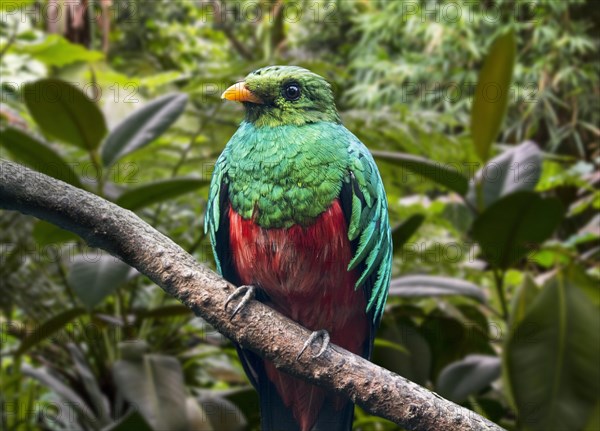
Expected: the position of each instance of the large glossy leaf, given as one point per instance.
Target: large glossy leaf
(49, 328)
(34, 153)
(142, 127)
(154, 383)
(514, 225)
(444, 175)
(429, 285)
(587, 285)
(552, 356)
(94, 277)
(468, 376)
(492, 93)
(46, 234)
(65, 112)
(158, 191)
(514, 170)
(55, 50)
(523, 297)
(402, 233)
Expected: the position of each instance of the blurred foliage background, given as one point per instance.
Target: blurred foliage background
(494, 301)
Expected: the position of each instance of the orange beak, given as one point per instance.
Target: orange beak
(239, 93)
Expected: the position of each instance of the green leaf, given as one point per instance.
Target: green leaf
(492, 93)
(514, 170)
(412, 286)
(32, 152)
(55, 50)
(142, 127)
(468, 376)
(158, 191)
(48, 328)
(515, 225)
(552, 356)
(154, 383)
(94, 277)
(587, 284)
(444, 175)
(65, 112)
(523, 297)
(402, 233)
(46, 234)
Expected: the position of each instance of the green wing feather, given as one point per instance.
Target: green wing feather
(213, 206)
(369, 226)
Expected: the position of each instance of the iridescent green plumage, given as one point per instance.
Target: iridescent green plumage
(286, 168)
(285, 175)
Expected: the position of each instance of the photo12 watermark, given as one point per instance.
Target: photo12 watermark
(451, 12)
(54, 11)
(54, 92)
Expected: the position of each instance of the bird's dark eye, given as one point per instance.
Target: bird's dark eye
(291, 92)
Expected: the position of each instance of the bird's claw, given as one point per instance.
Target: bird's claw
(320, 334)
(247, 291)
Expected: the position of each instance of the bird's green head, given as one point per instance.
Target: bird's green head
(284, 95)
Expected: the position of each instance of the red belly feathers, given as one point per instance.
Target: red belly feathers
(304, 272)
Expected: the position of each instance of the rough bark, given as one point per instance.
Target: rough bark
(258, 327)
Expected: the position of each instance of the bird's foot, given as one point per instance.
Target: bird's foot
(321, 334)
(248, 292)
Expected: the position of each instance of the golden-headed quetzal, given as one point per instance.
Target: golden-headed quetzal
(297, 215)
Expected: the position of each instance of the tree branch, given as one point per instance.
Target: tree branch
(258, 327)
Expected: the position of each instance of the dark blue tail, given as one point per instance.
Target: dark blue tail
(275, 416)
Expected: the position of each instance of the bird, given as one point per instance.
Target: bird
(297, 218)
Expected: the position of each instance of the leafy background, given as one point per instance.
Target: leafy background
(494, 301)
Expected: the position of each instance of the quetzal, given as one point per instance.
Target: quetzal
(297, 214)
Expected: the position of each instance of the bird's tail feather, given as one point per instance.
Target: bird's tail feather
(275, 416)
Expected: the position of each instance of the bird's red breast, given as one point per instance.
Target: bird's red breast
(304, 272)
